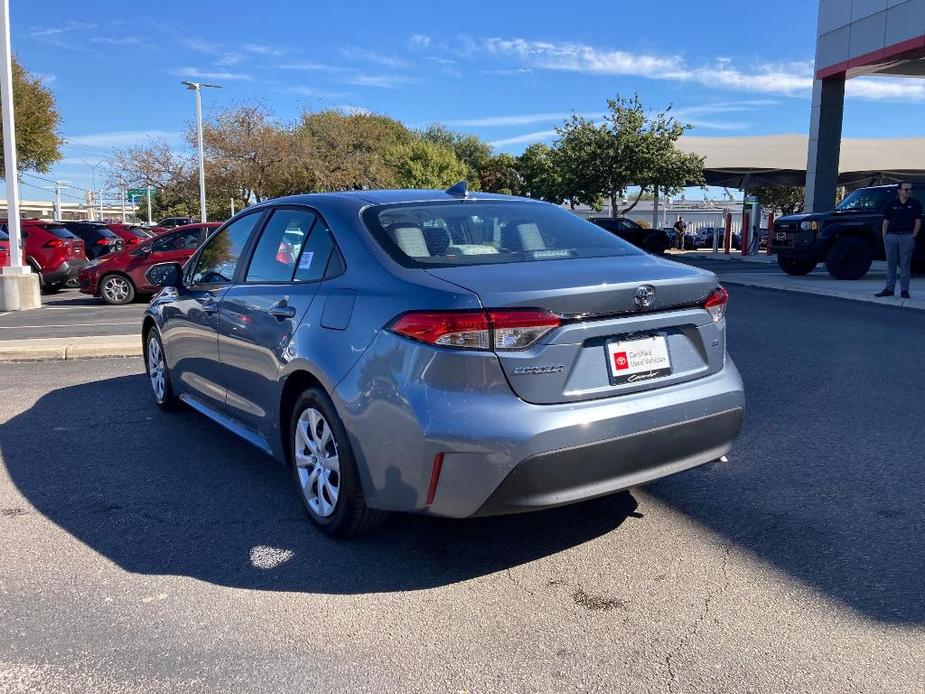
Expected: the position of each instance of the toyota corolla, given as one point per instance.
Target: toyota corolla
(443, 352)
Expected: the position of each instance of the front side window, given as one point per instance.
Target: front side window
(280, 245)
(179, 241)
(475, 232)
(867, 199)
(218, 261)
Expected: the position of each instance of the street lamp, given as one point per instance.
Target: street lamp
(197, 87)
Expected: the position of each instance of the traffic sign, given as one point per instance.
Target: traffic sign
(139, 192)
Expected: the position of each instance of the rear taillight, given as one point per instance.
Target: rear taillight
(55, 243)
(716, 304)
(133, 241)
(501, 329)
(103, 241)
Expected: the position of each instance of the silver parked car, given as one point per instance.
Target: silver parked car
(445, 353)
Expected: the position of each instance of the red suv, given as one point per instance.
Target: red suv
(4, 249)
(131, 234)
(116, 278)
(53, 252)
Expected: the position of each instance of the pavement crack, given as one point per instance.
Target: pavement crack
(708, 601)
(510, 577)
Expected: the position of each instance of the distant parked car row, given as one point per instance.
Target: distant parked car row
(58, 250)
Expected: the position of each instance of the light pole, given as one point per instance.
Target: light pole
(197, 87)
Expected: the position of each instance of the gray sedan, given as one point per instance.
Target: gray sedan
(445, 353)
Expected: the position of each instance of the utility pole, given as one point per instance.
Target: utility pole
(19, 286)
(101, 204)
(122, 196)
(232, 207)
(148, 195)
(59, 186)
(197, 87)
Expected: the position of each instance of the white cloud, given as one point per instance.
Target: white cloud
(313, 67)
(522, 119)
(229, 59)
(354, 110)
(384, 81)
(195, 73)
(355, 53)
(259, 49)
(202, 46)
(45, 78)
(785, 78)
(317, 93)
(525, 139)
(123, 138)
(419, 41)
(118, 41)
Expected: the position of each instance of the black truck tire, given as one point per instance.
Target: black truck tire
(849, 258)
(795, 266)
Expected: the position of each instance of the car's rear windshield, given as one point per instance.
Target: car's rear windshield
(480, 232)
(59, 231)
(137, 233)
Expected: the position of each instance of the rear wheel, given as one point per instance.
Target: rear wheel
(53, 288)
(796, 266)
(324, 469)
(849, 258)
(117, 289)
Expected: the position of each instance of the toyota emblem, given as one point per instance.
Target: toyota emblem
(645, 296)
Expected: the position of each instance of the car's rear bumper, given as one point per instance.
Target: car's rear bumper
(500, 454)
(67, 270)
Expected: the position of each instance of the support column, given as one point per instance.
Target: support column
(825, 127)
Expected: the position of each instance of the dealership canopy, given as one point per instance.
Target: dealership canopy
(743, 162)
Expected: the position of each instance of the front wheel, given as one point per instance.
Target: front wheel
(116, 290)
(53, 288)
(795, 266)
(158, 374)
(849, 258)
(324, 469)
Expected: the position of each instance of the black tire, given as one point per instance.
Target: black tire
(795, 266)
(167, 399)
(849, 258)
(116, 289)
(350, 516)
(51, 288)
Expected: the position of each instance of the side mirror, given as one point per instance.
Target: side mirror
(165, 275)
(143, 251)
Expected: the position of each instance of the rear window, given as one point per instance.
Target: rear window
(105, 232)
(449, 234)
(137, 233)
(60, 232)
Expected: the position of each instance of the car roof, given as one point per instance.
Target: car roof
(362, 198)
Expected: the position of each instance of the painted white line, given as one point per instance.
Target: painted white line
(64, 325)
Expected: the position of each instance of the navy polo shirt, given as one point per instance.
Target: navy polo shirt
(902, 216)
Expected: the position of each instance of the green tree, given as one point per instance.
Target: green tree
(539, 176)
(423, 164)
(576, 155)
(780, 199)
(38, 145)
(474, 152)
(500, 175)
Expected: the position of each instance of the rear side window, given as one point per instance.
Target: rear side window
(280, 245)
(314, 259)
(179, 241)
(218, 261)
(60, 232)
(476, 232)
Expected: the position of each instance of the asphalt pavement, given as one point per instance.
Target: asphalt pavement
(145, 551)
(71, 314)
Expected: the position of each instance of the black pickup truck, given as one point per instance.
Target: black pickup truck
(847, 239)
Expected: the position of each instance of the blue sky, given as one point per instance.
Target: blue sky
(507, 71)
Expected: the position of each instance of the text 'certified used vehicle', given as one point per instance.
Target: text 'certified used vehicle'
(444, 353)
(118, 278)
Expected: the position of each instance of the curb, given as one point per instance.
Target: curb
(66, 348)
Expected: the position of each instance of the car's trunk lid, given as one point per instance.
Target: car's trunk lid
(597, 299)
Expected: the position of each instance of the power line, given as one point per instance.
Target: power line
(48, 180)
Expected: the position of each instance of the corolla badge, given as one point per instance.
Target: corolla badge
(645, 296)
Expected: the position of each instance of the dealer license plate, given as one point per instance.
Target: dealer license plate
(638, 359)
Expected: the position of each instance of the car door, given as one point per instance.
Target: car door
(190, 326)
(259, 315)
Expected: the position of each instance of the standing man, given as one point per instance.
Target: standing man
(680, 227)
(901, 227)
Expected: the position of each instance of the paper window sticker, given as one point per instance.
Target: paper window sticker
(305, 262)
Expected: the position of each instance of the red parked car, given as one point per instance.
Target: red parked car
(131, 234)
(118, 277)
(52, 252)
(4, 249)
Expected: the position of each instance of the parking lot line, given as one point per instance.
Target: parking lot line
(67, 325)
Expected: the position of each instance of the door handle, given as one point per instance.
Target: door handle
(282, 311)
(209, 305)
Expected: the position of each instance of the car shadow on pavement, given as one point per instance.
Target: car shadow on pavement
(827, 479)
(172, 493)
